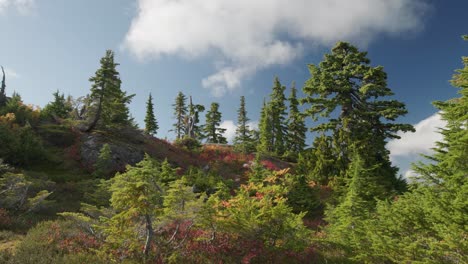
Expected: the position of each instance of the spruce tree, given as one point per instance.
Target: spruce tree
(265, 144)
(60, 107)
(111, 108)
(180, 112)
(278, 117)
(3, 97)
(243, 139)
(296, 135)
(212, 132)
(429, 223)
(273, 129)
(192, 127)
(151, 126)
(346, 84)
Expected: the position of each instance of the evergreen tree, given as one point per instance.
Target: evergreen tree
(273, 134)
(137, 197)
(102, 167)
(428, 224)
(265, 144)
(278, 117)
(180, 112)
(192, 128)
(296, 126)
(3, 98)
(151, 126)
(243, 139)
(345, 80)
(111, 109)
(212, 132)
(60, 107)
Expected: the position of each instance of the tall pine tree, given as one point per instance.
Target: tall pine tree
(110, 101)
(265, 143)
(273, 129)
(243, 139)
(346, 84)
(429, 223)
(180, 112)
(212, 132)
(278, 117)
(3, 97)
(192, 127)
(296, 127)
(151, 125)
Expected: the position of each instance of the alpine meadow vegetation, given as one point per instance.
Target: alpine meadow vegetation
(80, 182)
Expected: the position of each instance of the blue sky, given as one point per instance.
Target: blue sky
(219, 50)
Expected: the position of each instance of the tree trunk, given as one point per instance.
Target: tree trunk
(149, 235)
(96, 117)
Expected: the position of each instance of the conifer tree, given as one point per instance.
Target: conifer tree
(212, 132)
(3, 97)
(243, 139)
(60, 107)
(102, 166)
(428, 224)
(180, 112)
(192, 128)
(111, 109)
(296, 135)
(273, 134)
(137, 197)
(278, 117)
(346, 81)
(265, 144)
(151, 125)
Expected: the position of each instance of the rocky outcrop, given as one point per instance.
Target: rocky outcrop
(122, 152)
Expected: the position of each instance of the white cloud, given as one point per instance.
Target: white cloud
(231, 127)
(252, 35)
(230, 130)
(10, 73)
(22, 6)
(419, 142)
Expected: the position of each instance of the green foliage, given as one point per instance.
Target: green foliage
(3, 98)
(20, 145)
(346, 81)
(273, 130)
(59, 108)
(110, 101)
(151, 126)
(21, 194)
(189, 143)
(260, 211)
(243, 139)
(180, 111)
(212, 132)
(54, 243)
(102, 168)
(23, 114)
(192, 121)
(296, 129)
(202, 181)
(137, 198)
(426, 224)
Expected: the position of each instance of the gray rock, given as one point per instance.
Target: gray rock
(122, 153)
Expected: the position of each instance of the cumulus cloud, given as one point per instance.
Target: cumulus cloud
(231, 127)
(420, 142)
(409, 148)
(10, 73)
(249, 36)
(230, 130)
(22, 6)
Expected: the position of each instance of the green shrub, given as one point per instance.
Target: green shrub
(188, 143)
